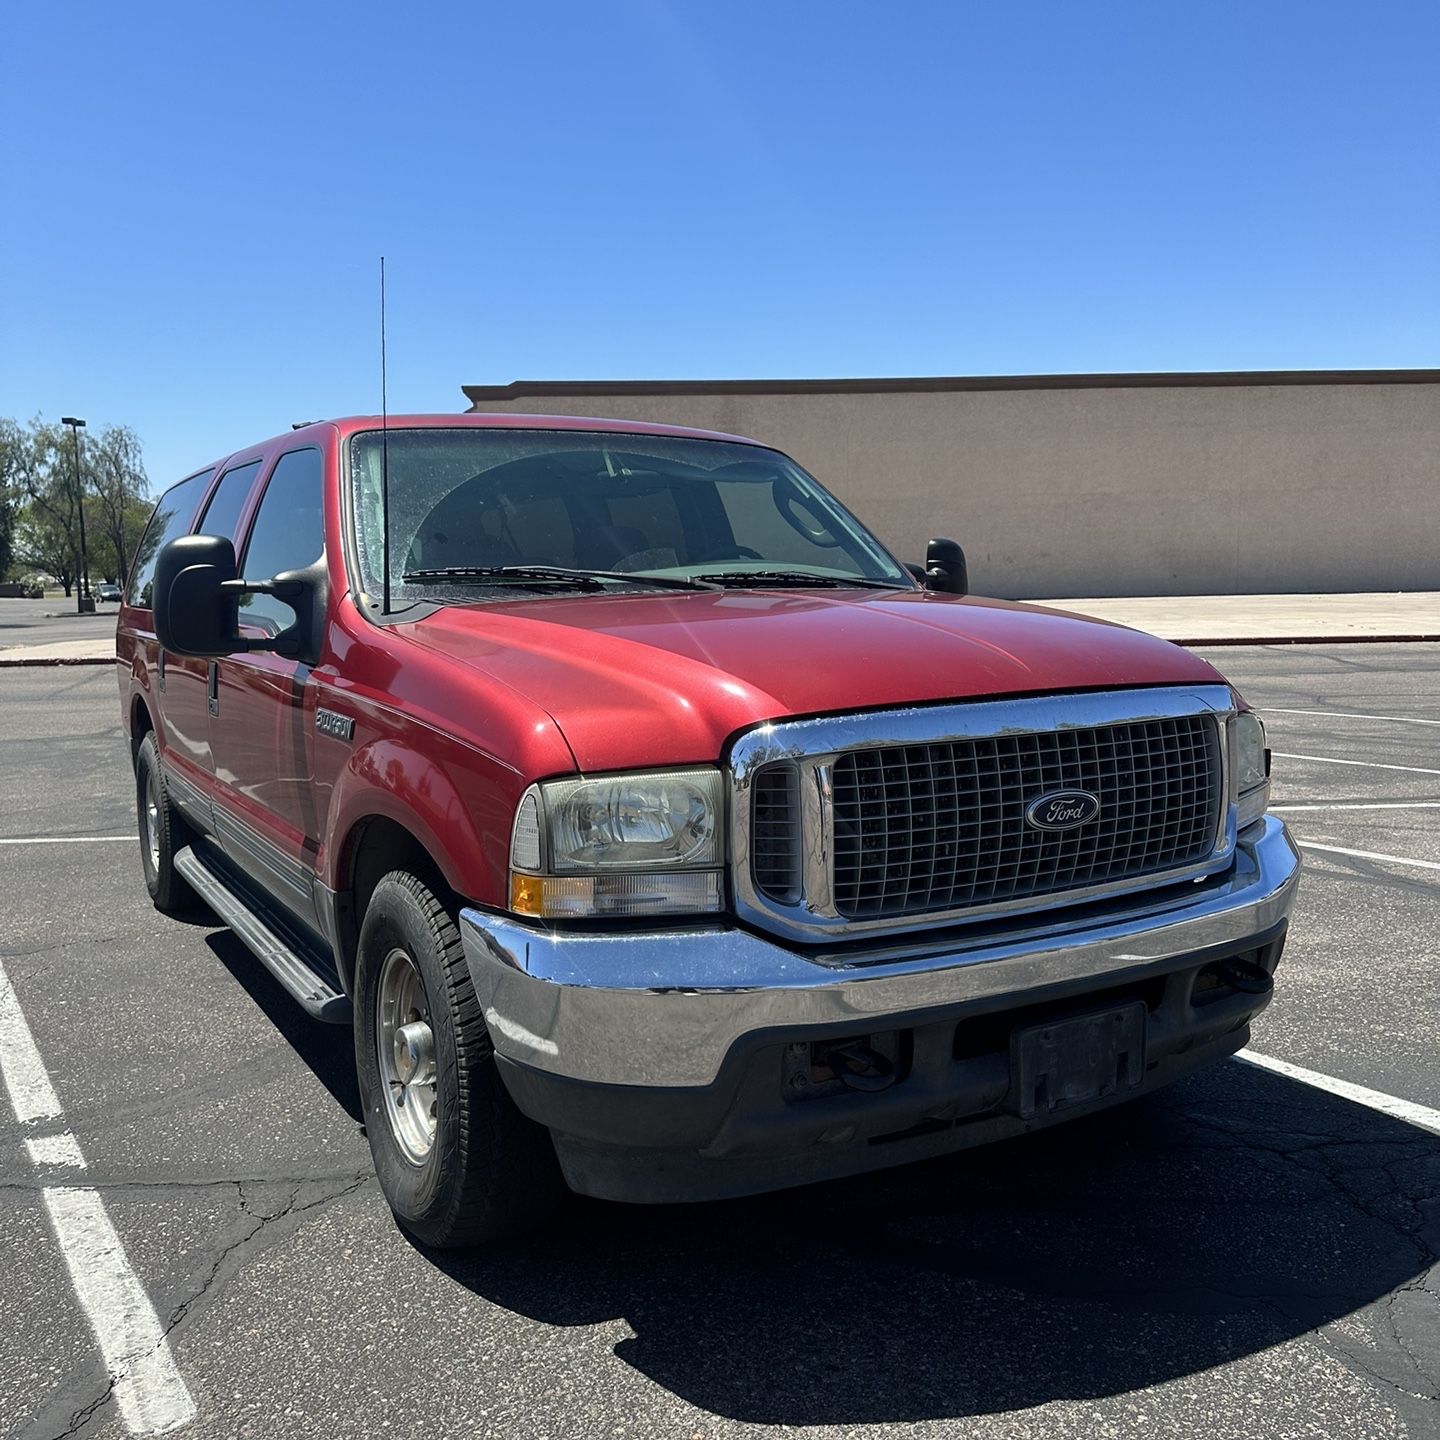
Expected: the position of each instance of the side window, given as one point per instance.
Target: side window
(287, 533)
(222, 514)
(170, 520)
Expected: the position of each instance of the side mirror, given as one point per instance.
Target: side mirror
(945, 568)
(196, 600)
(194, 613)
(305, 591)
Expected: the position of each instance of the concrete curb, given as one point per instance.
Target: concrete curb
(60, 660)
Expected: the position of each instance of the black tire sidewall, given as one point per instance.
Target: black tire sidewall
(145, 777)
(422, 1196)
(166, 886)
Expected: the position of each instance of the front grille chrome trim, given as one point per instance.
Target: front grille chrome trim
(815, 745)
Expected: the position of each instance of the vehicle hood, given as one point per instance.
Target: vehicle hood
(667, 679)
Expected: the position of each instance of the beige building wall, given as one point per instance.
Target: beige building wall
(1100, 485)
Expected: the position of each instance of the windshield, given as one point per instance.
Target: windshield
(464, 501)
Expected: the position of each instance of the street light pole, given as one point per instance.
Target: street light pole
(82, 581)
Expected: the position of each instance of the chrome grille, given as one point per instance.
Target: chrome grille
(928, 827)
(775, 833)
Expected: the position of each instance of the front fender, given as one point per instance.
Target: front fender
(458, 805)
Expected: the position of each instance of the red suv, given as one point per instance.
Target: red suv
(658, 831)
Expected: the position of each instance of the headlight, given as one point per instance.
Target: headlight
(642, 843)
(1252, 768)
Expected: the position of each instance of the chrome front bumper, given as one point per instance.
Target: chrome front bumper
(664, 1009)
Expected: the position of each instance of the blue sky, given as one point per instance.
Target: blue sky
(196, 197)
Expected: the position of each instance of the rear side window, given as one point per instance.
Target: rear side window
(170, 521)
(222, 514)
(288, 533)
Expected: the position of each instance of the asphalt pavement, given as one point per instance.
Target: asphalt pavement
(31, 622)
(1243, 1254)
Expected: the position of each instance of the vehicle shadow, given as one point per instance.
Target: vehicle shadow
(328, 1050)
(1208, 1223)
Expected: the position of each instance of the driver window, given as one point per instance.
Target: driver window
(288, 533)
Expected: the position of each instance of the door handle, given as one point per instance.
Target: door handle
(212, 688)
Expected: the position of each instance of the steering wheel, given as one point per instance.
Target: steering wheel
(794, 514)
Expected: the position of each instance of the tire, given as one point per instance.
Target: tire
(487, 1173)
(162, 833)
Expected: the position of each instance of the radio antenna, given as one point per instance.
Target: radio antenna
(384, 460)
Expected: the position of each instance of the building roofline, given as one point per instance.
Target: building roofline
(933, 384)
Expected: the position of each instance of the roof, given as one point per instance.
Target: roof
(347, 425)
(350, 424)
(923, 384)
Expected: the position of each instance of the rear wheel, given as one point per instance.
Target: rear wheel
(457, 1161)
(162, 832)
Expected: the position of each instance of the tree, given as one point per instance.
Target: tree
(37, 476)
(44, 469)
(12, 440)
(41, 543)
(116, 487)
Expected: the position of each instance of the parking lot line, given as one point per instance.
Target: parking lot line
(1370, 855)
(1421, 1116)
(1363, 764)
(32, 1096)
(58, 1149)
(149, 1390)
(64, 839)
(1348, 715)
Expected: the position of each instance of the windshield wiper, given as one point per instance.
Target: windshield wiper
(557, 575)
(766, 579)
(488, 574)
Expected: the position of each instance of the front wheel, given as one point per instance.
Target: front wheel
(457, 1161)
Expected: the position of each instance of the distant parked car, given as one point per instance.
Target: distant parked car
(108, 592)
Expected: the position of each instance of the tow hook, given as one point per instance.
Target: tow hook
(858, 1067)
(1245, 976)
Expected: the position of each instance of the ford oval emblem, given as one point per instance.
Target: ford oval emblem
(1062, 810)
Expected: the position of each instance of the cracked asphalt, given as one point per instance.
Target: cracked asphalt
(1240, 1255)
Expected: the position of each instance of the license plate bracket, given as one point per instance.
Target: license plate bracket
(1075, 1061)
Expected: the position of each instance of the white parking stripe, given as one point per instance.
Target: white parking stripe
(1363, 764)
(62, 1149)
(66, 839)
(148, 1389)
(1369, 805)
(32, 1096)
(1407, 1110)
(1347, 715)
(1371, 855)
(151, 1395)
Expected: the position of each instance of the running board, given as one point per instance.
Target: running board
(312, 991)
